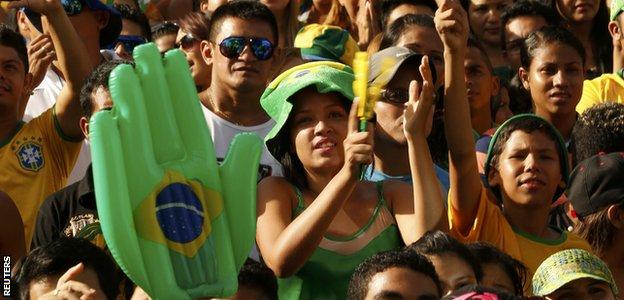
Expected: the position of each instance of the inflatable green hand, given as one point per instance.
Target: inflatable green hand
(179, 225)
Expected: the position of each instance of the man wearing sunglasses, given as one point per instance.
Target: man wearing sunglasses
(240, 47)
(97, 26)
(394, 68)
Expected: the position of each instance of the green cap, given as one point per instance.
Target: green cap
(562, 149)
(326, 42)
(326, 76)
(566, 266)
(616, 8)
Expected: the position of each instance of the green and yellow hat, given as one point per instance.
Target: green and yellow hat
(568, 265)
(325, 76)
(326, 42)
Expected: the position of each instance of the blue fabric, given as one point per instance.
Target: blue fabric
(443, 178)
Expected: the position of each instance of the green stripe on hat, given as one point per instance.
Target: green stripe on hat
(326, 76)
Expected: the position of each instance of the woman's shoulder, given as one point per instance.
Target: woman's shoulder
(275, 185)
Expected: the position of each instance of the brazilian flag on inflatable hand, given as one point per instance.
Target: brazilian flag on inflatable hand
(179, 225)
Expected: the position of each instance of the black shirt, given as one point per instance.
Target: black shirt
(69, 212)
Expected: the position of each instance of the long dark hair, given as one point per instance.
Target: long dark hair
(601, 39)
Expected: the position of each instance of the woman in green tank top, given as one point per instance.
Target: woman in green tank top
(319, 222)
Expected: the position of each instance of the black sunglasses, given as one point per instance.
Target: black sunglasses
(232, 47)
(187, 42)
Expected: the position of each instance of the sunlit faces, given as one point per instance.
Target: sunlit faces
(528, 169)
(12, 79)
(425, 41)
(401, 283)
(389, 112)
(578, 11)
(495, 277)
(48, 284)
(516, 30)
(453, 272)
(481, 85)
(554, 79)
(583, 289)
(318, 126)
(200, 70)
(484, 17)
(246, 71)
(405, 9)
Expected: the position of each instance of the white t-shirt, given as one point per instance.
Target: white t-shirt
(223, 131)
(44, 96)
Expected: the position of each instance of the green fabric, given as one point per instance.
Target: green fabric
(326, 76)
(568, 265)
(326, 42)
(616, 9)
(177, 223)
(326, 275)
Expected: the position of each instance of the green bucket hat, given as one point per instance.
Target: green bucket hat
(566, 266)
(616, 8)
(562, 149)
(326, 76)
(326, 42)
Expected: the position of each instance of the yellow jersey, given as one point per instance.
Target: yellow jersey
(35, 161)
(606, 88)
(490, 225)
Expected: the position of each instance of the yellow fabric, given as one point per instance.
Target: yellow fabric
(606, 88)
(35, 162)
(491, 226)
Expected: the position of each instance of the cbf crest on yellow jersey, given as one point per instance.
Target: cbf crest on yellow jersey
(35, 161)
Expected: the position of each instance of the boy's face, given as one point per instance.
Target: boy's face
(13, 80)
(481, 85)
(528, 171)
(401, 283)
(583, 289)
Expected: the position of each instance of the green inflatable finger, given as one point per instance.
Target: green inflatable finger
(179, 225)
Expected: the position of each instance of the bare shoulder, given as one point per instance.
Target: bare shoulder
(274, 187)
(394, 190)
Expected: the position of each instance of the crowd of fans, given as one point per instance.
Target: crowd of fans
(492, 169)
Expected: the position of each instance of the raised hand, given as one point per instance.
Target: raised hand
(179, 225)
(40, 56)
(44, 7)
(451, 22)
(358, 146)
(367, 23)
(67, 288)
(417, 113)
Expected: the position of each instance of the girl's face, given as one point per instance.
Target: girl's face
(528, 171)
(318, 125)
(578, 11)
(495, 277)
(554, 79)
(484, 17)
(583, 289)
(453, 271)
